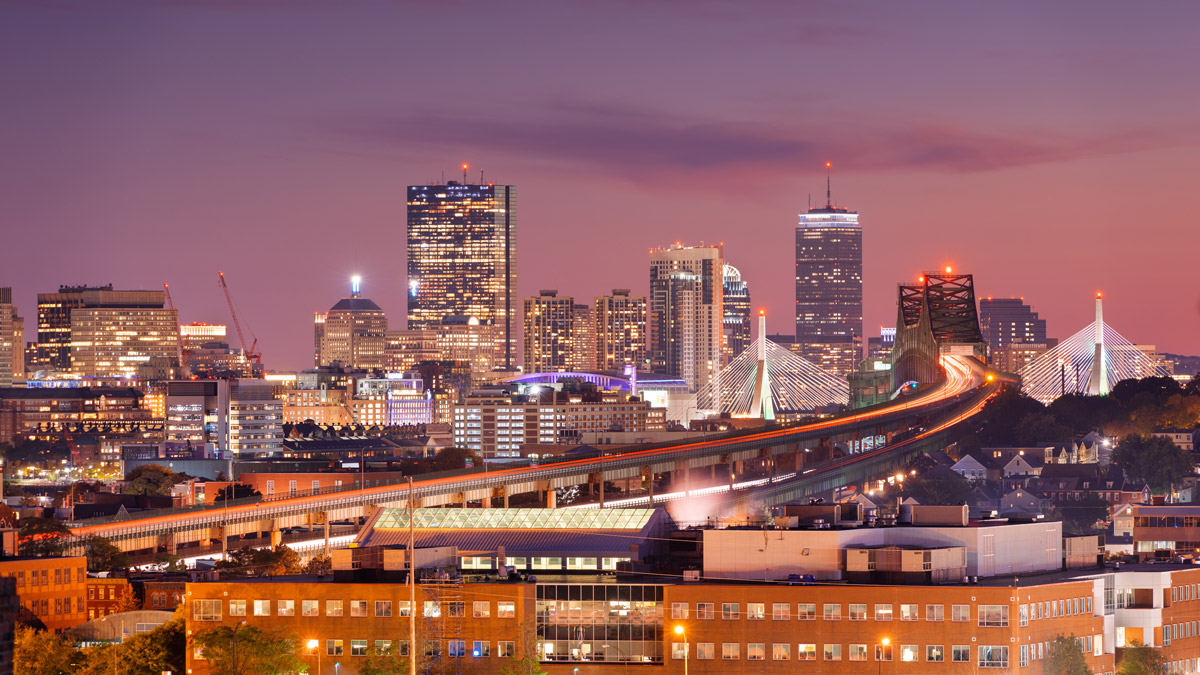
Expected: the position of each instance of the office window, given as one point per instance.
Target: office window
(333, 608)
(756, 611)
(1024, 656)
(506, 610)
(679, 610)
(80, 574)
(883, 652)
(833, 612)
(706, 651)
(960, 653)
(781, 651)
(456, 649)
(310, 608)
(481, 649)
(993, 656)
(858, 652)
(433, 649)
(729, 610)
(704, 610)
(806, 611)
(206, 610)
(806, 652)
(481, 609)
(237, 608)
(262, 608)
(883, 612)
(781, 611)
(432, 609)
(858, 612)
(358, 648)
(57, 575)
(333, 648)
(833, 652)
(935, 653)
(679, 650)
(458, 609)
(383, 647)
(286, 608)
(910, 612)
(909, 653)
(506, 649)
(756, 651)
(730, 650)
(993, 615)
(383, 608)
(358, 608)
(960, 613)
(1023, 614)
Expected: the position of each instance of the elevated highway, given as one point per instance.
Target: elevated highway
(793, 450)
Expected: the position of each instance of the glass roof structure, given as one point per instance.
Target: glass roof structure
(516, 519)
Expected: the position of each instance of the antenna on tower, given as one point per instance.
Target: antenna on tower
(464, 173)
(481, 176)
(828, 186)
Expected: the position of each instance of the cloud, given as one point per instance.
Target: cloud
(632, 142)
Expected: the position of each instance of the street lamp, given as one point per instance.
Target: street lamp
(883, 645)
(313, 644)
(679, 630)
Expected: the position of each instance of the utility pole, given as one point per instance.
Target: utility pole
(412, 587)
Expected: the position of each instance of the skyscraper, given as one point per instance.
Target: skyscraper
(828, 275)
(559, 334)
(462, 258)
(737, 314)
(353, 332)
(620, 321)
(686, 312)
(1004, 321)
(11, 348)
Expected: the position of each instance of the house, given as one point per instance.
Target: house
(1019, 503)
(1073, 482)
(972, 468)
(1184, 439)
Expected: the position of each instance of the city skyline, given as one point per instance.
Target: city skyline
(1018, 159)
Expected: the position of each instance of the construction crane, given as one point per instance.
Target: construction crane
(250, 354)
(178, 330)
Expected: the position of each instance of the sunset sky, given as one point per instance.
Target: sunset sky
(1049, 148)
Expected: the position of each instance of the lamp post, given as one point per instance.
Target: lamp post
(680, 631)
(883, 645)
(313, 645)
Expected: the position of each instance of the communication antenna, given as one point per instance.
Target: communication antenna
(828, 186)
(464, 173)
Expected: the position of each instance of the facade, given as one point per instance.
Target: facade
(1004, 321)
(12, 343)
(583, 339)
(115, 413)
(322, 406)
(559, 335)
(405, 348)
(828, 276)
(241, 416)
(1016, 355)
(498, 424)
(108, 596)
(50, 590)
(352, 333)
(737, 314)
(1169, 527)
(462, 259)
(839, 358)
(196, 335)
(465, 339)
(686, 312)
(620, 330)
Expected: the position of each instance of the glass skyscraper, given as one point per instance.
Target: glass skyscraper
(1004, 321)
(737, 314)
(462, 258)
(829, 307)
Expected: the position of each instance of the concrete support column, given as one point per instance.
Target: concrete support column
(276, 537)
(506, 498)
(731, 474)
(327, 547)
(168, 543)
(601, 490)
(681, 467)
(551, 498)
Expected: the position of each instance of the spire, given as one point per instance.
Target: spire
(828, 186)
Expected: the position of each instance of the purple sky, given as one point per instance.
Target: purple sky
(1049, 148)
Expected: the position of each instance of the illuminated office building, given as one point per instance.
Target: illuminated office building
(241, 416)
(828, 276)
(100, 332)
(352, 333)
(549, 332)
(737, 314)
(686, 312)
(583, 339)
(1004, 321)
(456, 338)
(620, 321)
(462, 259)
(406, 348)
(196, 335)
(12, 340)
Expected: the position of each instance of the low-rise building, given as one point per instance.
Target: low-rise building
(106, 596)
(51, 591)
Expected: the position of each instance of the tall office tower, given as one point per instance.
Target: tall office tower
(1004, 321)
(620, 321)
(9, 348)
(18, 337)
(549, 332)
(462, 258)
(112, 333)
(583, 339)
(196, 335)
(737, 314)
(353, 332)
(464, 339)
(686, 312)
(828, 275)
(239, 416)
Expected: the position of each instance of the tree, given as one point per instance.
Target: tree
(319, 565)
(236, 491)
(944, 490)
(1064, 656)
(156, 651)
(1138, 659)
(170, 563)
(525, 660)
(1080, 517)
(42, 537)
(1041, 427)
(152, 479)
(451, 458)
(1153, 459)
(384, 664)
(248, 650)
(103, 555)
(40, 652)
(262, 562)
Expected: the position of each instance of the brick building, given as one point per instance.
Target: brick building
(49, 590)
